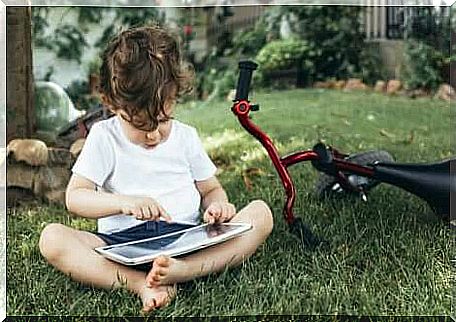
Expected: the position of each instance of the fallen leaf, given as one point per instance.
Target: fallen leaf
(385, 133)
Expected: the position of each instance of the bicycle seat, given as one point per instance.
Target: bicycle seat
(435, 183)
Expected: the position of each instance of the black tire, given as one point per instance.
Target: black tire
(327, 185)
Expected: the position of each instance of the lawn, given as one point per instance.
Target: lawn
(389, 256)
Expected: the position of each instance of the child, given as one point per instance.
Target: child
(141, 166)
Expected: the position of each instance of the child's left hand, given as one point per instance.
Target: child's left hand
(219, 212)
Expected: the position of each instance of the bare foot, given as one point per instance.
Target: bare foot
(156, 297)
(165, 271)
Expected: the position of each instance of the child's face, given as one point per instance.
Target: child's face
(144, 137)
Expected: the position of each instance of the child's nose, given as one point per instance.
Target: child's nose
(153, 135)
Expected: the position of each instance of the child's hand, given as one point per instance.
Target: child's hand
(143, 208)
(219, 212)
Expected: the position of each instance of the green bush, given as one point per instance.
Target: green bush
(249, 42)
(422, 66)
(334, 30)
(79, 93)
(284, 54)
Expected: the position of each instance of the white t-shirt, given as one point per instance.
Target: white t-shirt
(166, 173)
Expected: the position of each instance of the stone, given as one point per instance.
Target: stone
(355, 84)
(59, 156)
(446, 92)
(56, 196)
(380, 86)
(21, 175)
(327, 84)
(416, 93)
(340, 84)
(30, 151)
(76, 147)
(42, 171)
(393, 86)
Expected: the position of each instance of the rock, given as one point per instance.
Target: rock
(355, 84)
(446, 92)
(60, 157)
(43, 171)
(393, 86)
(56, 196)
(33, 152)
(76, 147)
(380, 86)
(416, 93)
(340, 84)
(327, 84)
(21, 175)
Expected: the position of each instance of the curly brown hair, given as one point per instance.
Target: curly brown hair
(142, 71)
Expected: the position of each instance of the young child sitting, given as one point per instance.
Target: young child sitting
(141, 166)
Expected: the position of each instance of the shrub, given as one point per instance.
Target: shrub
(249, 42)
(281, 55)
(334, 30)
(423, 65)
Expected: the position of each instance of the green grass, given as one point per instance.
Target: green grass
(389, 256)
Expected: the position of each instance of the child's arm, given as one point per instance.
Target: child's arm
(83, 199)
(215, 201)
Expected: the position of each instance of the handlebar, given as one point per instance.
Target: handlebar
(245, 76)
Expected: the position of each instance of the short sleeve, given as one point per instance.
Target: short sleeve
(201, 166)
(96, 160)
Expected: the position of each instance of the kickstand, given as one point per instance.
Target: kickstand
(299, 229)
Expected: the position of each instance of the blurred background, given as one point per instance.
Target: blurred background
(295, 46)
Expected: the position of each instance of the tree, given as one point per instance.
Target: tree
(19, 73)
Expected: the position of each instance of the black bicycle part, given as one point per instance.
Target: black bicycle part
(325, 159)
(435, 183)
(299, 229)
(245, 76)
(326, 183)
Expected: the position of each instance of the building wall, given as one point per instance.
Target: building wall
(392, 56)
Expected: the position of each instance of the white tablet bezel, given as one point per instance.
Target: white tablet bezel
(105, 250)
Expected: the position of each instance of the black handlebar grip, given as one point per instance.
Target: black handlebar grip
(245, 76)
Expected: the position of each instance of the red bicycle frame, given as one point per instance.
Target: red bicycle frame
(242, 109)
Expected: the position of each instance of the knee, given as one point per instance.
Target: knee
(51, 241)
(264, 221)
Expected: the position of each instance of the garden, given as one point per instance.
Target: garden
(319, 80)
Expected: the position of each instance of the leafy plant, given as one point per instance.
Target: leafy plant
(69, 43)
(423, 65)
(39, 24)
(249, 42)
(428, 48)
(283, 54)
(79, 93)
(370, 65)
(334, 30)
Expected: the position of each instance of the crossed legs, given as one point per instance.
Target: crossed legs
(72, 252)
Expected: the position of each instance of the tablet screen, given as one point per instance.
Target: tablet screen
(186, 240)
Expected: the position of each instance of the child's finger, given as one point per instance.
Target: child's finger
(136, 212)
(146, 214)
(154, 212)
(207, 217)
(164, 214)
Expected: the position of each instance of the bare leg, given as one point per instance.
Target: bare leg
(72, 252)
(167, 270)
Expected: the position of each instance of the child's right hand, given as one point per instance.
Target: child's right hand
(143, 208)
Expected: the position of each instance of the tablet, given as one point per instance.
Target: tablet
(173, 244)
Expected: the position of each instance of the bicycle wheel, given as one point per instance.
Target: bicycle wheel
(327, 186)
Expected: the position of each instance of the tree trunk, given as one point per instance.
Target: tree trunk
(19, 73)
